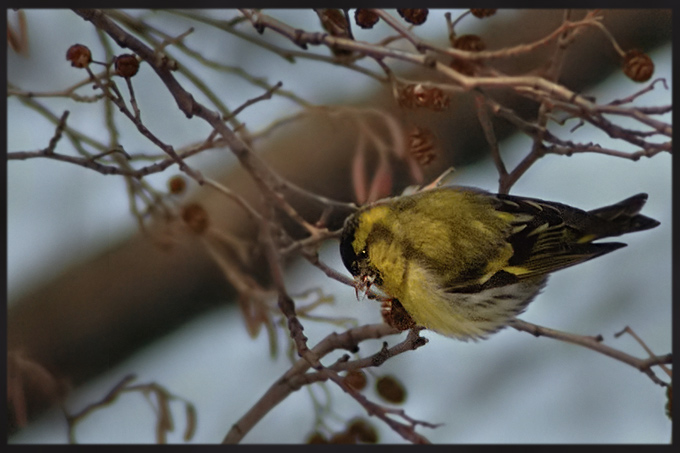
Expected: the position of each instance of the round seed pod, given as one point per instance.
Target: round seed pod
(196, 218)
(126, 65)
(481, 13)
(391, 390)
(638, 66)
(414, 16)
(79, 55)
(365, 18)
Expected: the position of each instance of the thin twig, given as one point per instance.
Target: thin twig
(595, 343)
(487, 127)
(57, 134)
(265, 96)
(632, 333)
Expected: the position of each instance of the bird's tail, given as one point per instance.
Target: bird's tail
(624, 216)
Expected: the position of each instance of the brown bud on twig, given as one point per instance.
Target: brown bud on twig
(196, 218)
(638, 66)
(421, 145)
(481, 13)
(365, 18)
(390, 389)
(126, 65)
(79, 56)
(414, 16)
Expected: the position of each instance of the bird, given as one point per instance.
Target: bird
(464, 262)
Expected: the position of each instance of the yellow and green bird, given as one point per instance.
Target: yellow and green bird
(464, 262)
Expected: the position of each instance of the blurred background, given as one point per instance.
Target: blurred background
(92, 300)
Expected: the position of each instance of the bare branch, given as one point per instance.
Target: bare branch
(285, 385)
(595, 343)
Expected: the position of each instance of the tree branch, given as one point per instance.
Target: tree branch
(595, 343)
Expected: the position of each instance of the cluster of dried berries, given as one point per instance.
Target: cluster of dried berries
(196, 218)
(416, 95)
(638, 66)
(359, 430)
(387, 387)
(365, 18)
(79, 56)
(414, 16)
(421, 147)
(481, 13)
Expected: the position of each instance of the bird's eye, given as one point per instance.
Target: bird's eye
(363, 254)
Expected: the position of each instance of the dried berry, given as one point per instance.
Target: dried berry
(407, 97)
(414, 16)
(638, 66)
(356, 379)
(481, 13)
(126, 65)
(196, 218)
(177, 184)
(79, 56)
(363, 431)
(390, 389)
(471, 43)
(421, 145)
(418, 95)
(365, 18)
(335, 23)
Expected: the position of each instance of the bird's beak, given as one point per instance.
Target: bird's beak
(363, 285)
